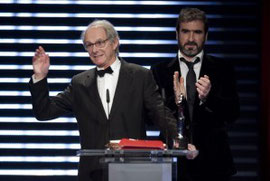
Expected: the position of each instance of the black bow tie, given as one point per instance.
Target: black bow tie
(101, 73)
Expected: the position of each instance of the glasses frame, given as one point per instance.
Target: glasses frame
(98, 44)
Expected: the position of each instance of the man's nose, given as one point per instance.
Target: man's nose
(191, 37)
(94, 48)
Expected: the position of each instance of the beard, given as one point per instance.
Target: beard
(190, 52)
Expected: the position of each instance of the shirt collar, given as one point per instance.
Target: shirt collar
(114, 65)
(200, 55)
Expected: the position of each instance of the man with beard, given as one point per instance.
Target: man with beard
(208, 85)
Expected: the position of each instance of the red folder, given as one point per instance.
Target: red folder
(141, 144)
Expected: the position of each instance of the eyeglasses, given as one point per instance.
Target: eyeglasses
(98, 44)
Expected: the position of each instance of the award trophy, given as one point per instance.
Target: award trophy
(181, 141)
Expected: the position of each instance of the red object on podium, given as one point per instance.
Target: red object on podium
(126, 143)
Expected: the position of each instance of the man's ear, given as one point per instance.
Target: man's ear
(115, 43)
(176, 35)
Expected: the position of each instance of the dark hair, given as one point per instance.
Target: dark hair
(192, 14)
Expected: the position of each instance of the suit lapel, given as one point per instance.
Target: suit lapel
(204, 67)
(122, 87)
(174, 66)
(91, 85)
(167, 81)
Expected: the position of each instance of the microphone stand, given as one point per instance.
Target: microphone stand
(108, 109)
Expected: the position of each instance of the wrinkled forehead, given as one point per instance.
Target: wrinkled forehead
(95, 33)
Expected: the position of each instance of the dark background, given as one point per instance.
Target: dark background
(239, 32)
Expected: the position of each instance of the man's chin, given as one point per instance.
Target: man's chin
(98, 63)
(190, 53)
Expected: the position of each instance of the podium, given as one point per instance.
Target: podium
(139, 165)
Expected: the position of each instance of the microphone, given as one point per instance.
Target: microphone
(108, 101)
(108, 109)
(107, 96)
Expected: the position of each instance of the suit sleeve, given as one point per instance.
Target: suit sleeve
(222, 102)
(164, 80)
(45, 107)
(156, 110)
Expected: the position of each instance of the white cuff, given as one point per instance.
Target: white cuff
(34, 79)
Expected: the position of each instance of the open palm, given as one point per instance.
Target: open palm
(41, 63)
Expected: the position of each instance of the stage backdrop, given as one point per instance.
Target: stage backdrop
(32, 150)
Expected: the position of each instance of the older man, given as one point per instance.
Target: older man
(109, 102)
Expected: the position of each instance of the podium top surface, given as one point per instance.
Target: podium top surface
(137, 153)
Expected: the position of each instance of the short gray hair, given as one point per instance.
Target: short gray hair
(110, 31)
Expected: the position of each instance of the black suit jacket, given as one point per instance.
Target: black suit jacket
(208, 127)
(136, 98)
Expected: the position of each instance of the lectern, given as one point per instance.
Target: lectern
(139, 165)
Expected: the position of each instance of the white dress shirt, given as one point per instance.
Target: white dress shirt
(108, 81)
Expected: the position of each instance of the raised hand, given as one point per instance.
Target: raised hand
(203, 87)
(178, 86)
(41, 63)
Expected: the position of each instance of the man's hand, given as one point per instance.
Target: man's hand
(203, 87)
(192, 151)
(41, 63)
(178, 86)
(193, 154)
